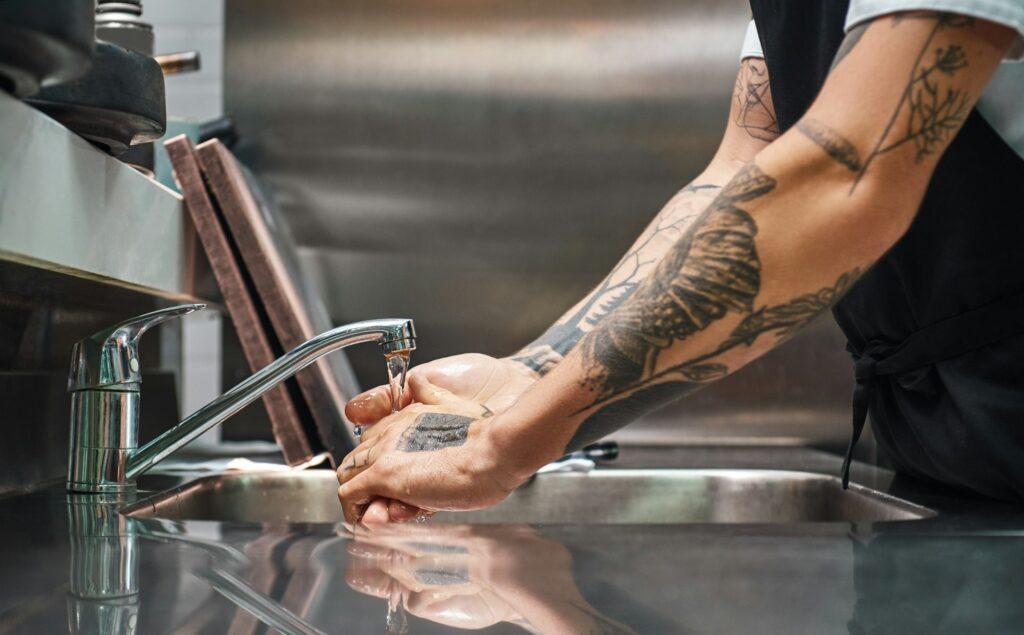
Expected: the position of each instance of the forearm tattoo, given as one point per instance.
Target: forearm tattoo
(711, 270)
(754, 111)
(433, 431)
(548, 350)
(714, 270)
(930, 109)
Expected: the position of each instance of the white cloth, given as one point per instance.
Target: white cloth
(1002, 103)
(751, 43)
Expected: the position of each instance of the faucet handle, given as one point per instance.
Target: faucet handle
(111, 356)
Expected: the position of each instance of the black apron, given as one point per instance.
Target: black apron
(936, 326)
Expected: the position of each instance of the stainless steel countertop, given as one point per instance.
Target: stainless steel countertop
(957, 573)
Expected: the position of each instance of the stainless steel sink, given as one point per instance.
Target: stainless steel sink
(651, 496)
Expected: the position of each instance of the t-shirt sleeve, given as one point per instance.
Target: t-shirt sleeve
(1006, 12)
(751, 43)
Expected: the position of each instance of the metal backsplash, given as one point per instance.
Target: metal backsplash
(480, 165)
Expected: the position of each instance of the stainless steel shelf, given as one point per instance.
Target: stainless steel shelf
(69, 208)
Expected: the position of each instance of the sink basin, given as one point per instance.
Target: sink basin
(651, 496)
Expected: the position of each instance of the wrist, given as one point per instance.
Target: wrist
(510, 453)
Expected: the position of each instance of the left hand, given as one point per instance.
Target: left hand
(433, 455)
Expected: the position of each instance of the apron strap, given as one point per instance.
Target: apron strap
(945, 339)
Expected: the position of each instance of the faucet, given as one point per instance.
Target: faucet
(105, 386)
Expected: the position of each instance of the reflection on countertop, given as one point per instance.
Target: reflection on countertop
(72, 564)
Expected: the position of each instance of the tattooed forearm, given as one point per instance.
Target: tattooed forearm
(435, 431)
(753, 110)
(784, 320)
(711, 270)
(930, 107)
(612, 414)
(833, 143)
(547, 351)
(676, 381)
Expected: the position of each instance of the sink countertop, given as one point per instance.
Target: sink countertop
(960, 572)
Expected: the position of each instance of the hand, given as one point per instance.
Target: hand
(492, 382)
(489, 381)
(472, 577)
(432, 455)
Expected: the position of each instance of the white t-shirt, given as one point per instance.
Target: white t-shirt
(1002, 103)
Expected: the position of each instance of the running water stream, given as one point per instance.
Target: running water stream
(398, 365)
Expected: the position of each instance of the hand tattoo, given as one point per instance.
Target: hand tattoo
(435, 431)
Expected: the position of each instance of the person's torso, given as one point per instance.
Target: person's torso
(962, 252)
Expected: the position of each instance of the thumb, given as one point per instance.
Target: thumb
(425, 392)
(370, 406)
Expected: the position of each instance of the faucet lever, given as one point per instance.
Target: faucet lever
(111, 356)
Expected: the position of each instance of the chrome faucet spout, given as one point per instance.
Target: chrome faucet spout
(389, 333)
(104, 415)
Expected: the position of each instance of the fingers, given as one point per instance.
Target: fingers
(376, 512)
(400, 512)
(358, 491)
(371, 406)
(357, 460)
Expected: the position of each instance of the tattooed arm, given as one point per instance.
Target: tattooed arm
(785, 238)
(781, 242)
(751, 126)
(497, 383)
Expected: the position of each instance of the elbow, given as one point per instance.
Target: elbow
(862, 211)
(879, 211)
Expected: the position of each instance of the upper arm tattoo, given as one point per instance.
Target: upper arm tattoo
(753, 110)
(930, 109)
(834, 144)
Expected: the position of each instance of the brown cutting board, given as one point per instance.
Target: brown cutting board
(252, 325)
(279, 289)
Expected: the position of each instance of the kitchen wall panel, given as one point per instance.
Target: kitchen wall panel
(478, 166)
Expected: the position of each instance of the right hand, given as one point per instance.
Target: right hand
(491, 382)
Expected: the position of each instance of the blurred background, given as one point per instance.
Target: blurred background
(479, 166)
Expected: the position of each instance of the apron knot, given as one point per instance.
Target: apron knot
(865, 369)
